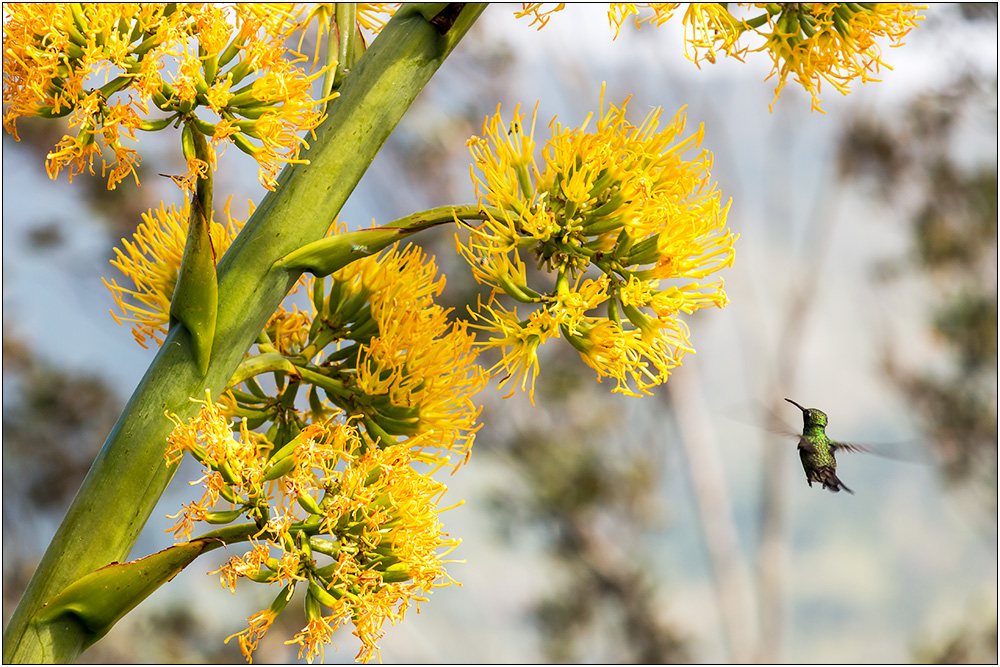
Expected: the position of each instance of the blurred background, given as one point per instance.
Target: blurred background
(596, 527)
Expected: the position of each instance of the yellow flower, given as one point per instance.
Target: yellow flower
(813, 41)
(351, 516)
(314, 637)
(75, 152)
(518, 340)
(618, 12)
(408, 529)
(709, 26)
(629, 356)
(151, 261)
(259, 623)
(288, 331)
(231, 463)
(417, 373)
(56, 56)
(833, 42)
(534, 9)
(372, 16)
(380, 514)
(633, 205)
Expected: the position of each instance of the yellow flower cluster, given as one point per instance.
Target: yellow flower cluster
(152, 261)
(418, 372)
(351, 522)
(104, 66)
(341, 492)
(835, 42)
(612, 213)
(814, 41)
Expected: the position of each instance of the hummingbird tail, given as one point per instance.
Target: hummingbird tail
(830, 480)
(833, 483)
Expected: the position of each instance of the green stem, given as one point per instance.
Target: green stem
(346, 14)
(443, 215)
(129, 474)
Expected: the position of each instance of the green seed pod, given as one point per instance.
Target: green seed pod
(244, 145)
(377, 433)
(789, 22)
(395, 574)
(308, 527)
(638, 318)
(252, 111)
(226, 472)
(279, 468)
(324, 546)
(262, 576)
(262, 514)
(348, 307)
(384, 562)
(281, 601)
(840, 17)
(204, 127)
(314, 610)
(373, 475)
(227, 493)
(161, 101)
(355, 528)
(384, 548)
(608, 207)
(318, 296)
(257, 420)
(384, 500)
(521, 293)
(231, 51)
(271, 434)
(220, 517)
(240, 71)
(155, 125)
(315, 404)
(187, 141)
(643, 252)
(623, 244)
(323, 596)
(397, 426)
(50, 112)
(210, 66)
(308, 504)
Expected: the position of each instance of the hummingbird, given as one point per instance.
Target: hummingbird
(817, 450)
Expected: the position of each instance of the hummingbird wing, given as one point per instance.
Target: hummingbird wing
(850, 447)
(756, 414)
(905, 451)
(806, 446)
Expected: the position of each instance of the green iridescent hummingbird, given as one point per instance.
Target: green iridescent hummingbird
(818, 452)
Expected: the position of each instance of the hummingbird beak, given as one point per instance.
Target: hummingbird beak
(796, 404)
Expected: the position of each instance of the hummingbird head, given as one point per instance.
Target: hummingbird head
(810, 416)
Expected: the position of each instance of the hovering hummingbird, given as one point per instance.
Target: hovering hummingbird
(817, 451)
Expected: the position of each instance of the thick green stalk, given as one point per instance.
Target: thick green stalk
(129, 474)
